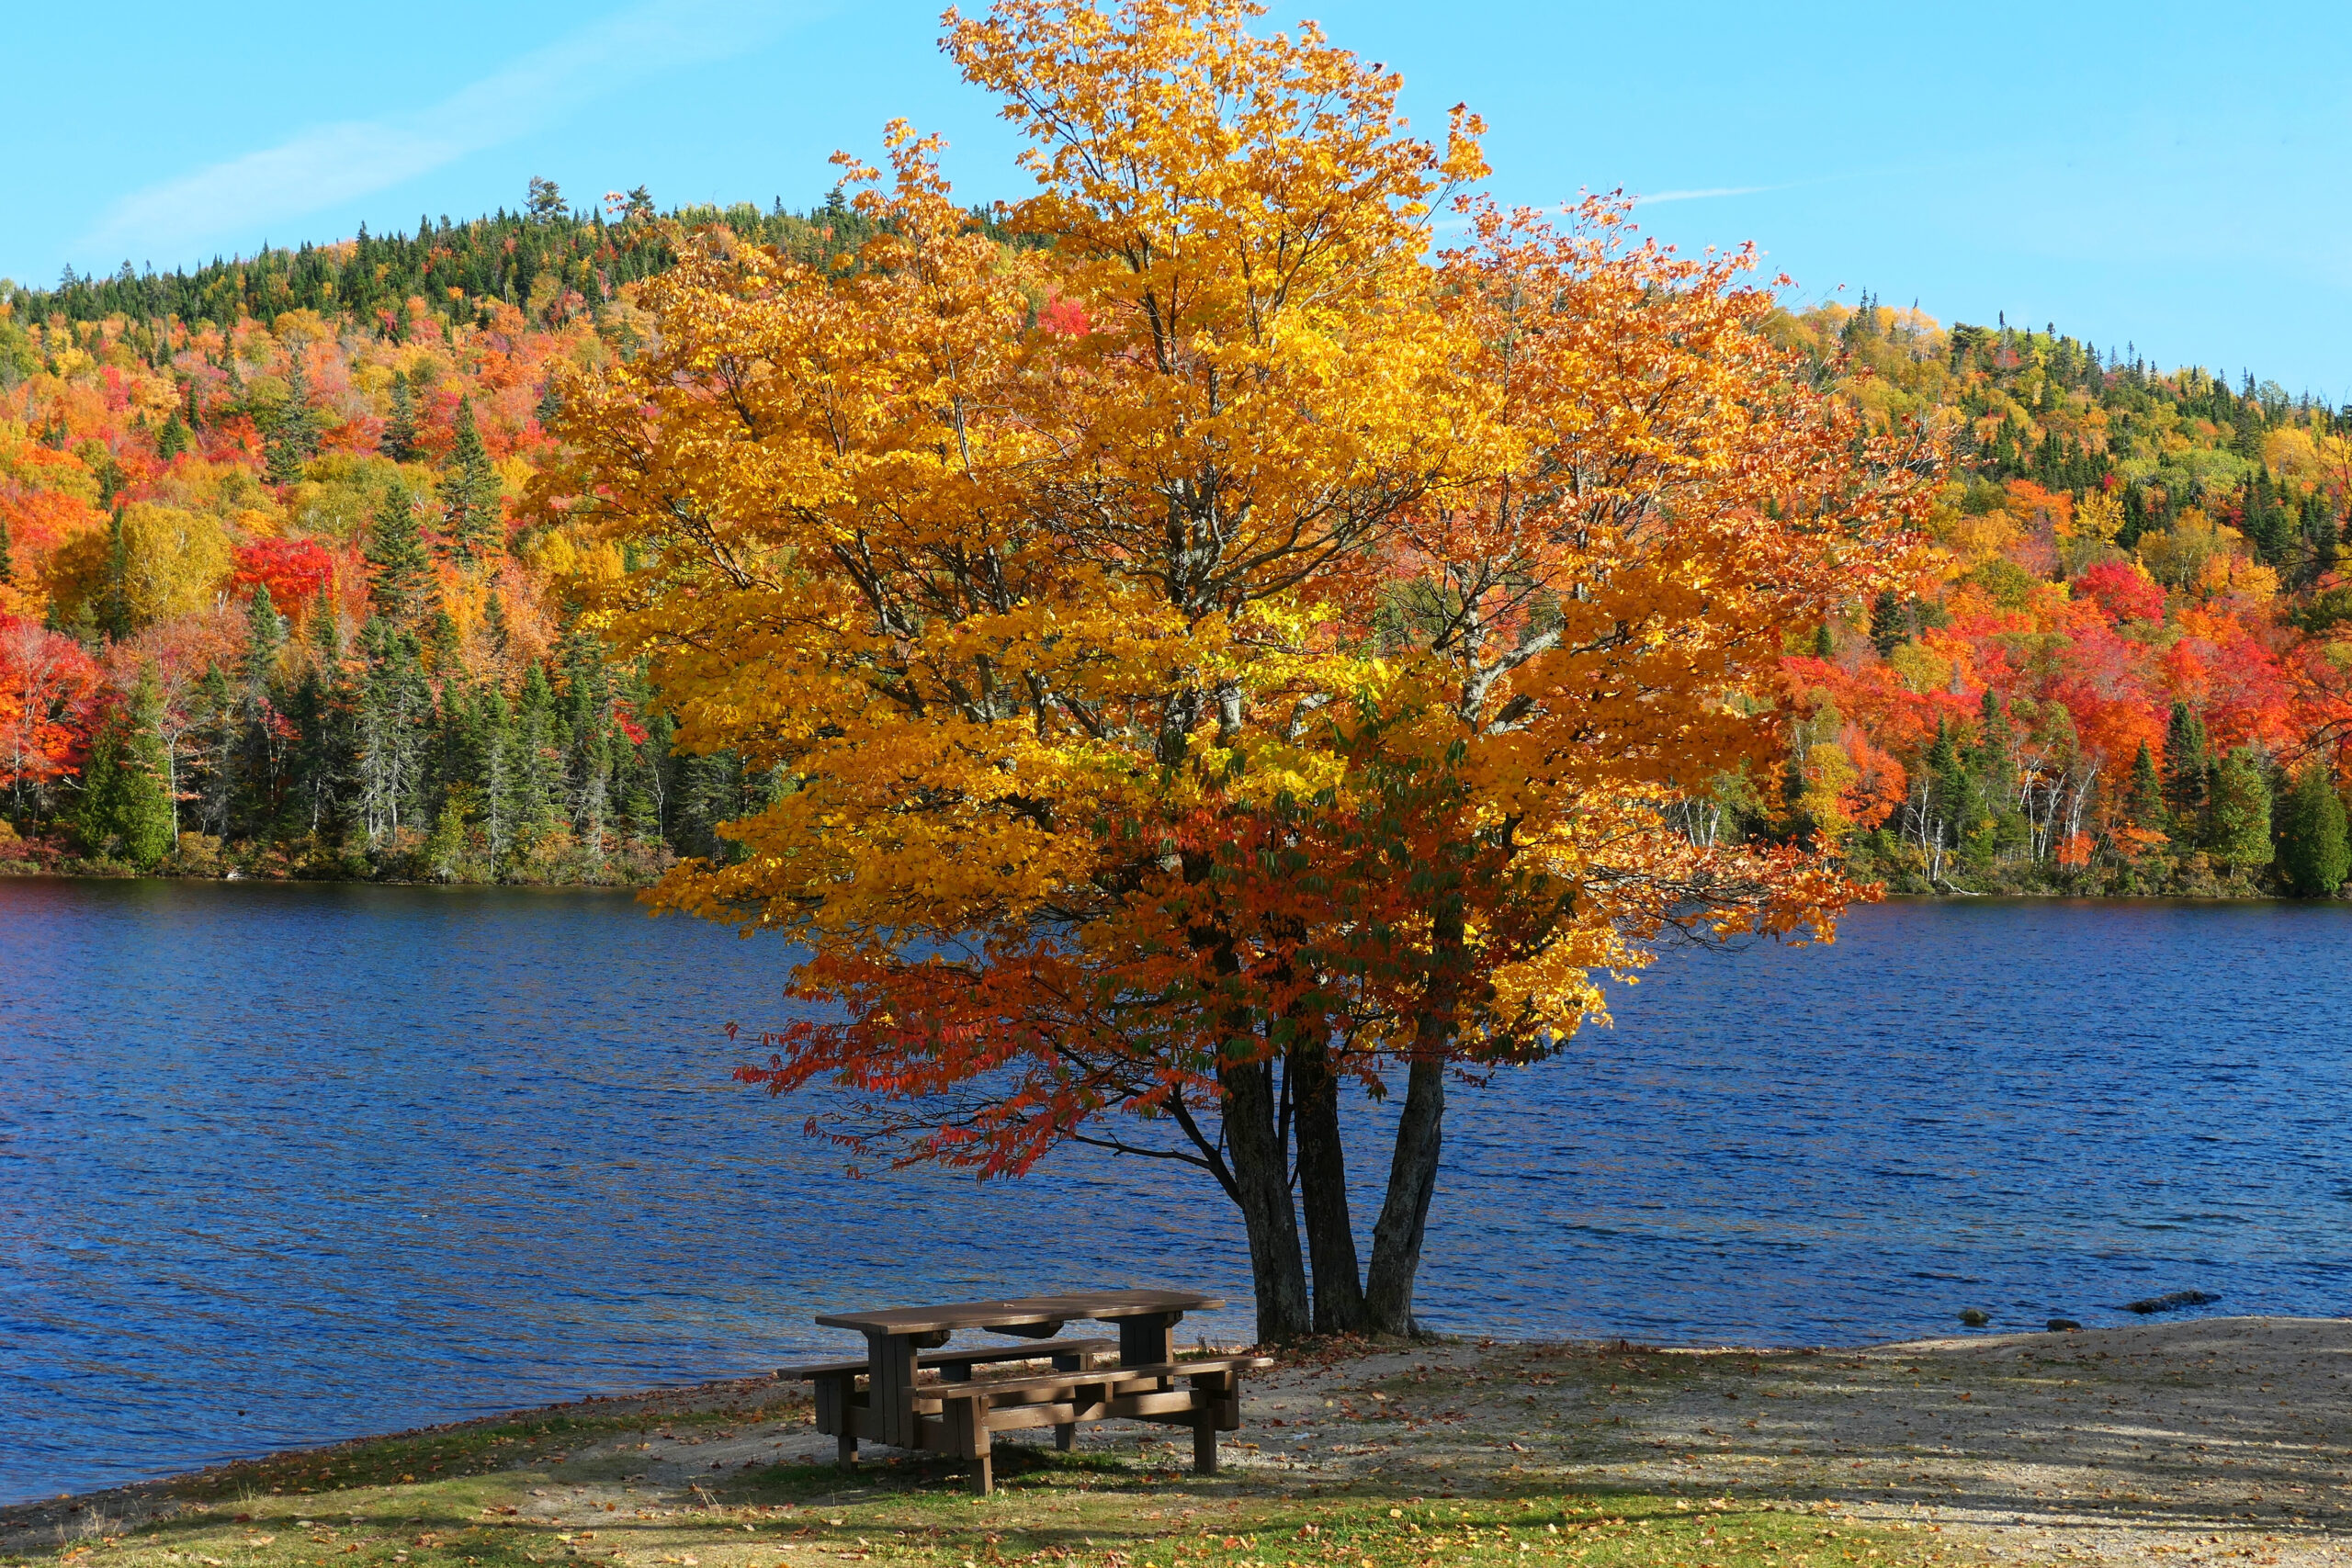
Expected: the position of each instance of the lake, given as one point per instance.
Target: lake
(281, 1164)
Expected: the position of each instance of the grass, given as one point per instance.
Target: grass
(576, 1489)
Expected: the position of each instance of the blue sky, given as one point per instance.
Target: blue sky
(2171, 175)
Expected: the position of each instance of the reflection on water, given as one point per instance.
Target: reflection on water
(280, 1164)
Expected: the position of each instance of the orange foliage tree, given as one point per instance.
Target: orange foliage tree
(1228, 653)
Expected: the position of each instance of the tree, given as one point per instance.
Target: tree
(1268, 669)
(2188, 767)
(399, 440)
(544, 200)
(2143, 799)
(2313, 856)
(124, 811)
(2240, 831)
(294, 429)
(470, 511)
(399, 568)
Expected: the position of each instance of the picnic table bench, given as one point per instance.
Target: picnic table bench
(886, 1399)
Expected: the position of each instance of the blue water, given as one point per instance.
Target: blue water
(283, 1164)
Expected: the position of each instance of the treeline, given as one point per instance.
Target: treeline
(264, 605)
(267, 604)
(2125, 670)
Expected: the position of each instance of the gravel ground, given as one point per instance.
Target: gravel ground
(2214, 1440)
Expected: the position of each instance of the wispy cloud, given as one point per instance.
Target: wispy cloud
(1652, 199)
(242, 198)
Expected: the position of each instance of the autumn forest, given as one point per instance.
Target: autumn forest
(279, 597)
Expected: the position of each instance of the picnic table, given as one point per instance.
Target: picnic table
(911, 1394)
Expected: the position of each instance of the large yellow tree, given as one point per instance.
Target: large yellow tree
(1226, 650)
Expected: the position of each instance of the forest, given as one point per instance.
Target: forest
(273, 601)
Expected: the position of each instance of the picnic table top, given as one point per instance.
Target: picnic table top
(1099, 1306)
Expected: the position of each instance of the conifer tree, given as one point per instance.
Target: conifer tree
(2240, 833)
(2189, 764)
(470, 493)
(1887, 630)
(398, 565)
(124, 811)
(294, 433)
(265, 636)
(2143, 800)
(400, 430)
(174, 438)
(2314, 853)
(7, 559)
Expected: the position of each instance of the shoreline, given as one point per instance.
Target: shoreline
(2156, 1442)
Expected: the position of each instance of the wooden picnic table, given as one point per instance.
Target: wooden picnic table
(886, 1399)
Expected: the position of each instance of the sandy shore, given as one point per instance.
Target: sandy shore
(2202, 1441)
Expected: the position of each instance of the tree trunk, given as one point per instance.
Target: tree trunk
(1412, 1179)
(1412, 1170)
(1323, 1193)
(1261, 1184)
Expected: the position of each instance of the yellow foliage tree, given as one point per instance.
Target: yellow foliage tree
(1230, 653)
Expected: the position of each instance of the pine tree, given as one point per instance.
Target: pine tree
(2241, 811)
(394, 710)
(8, 560)
(2188, 765)
(398, 566)
(1887, 630)
(265, 636)
(1825, 643)
(470, 493)
(400, 430)
(294, 433)
(2143, 801)
(173, 439)
(2313, 855)
(124, 811)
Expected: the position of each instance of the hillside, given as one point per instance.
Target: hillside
(267, 602)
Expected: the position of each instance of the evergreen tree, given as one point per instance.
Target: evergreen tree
(2143, 801)
(470, 493)
(174, 438)
(260, 757)
(213, 761)
(399, 443)
(2240, 810)
(124, 811)
(8, 560)
(398, 565)
(395, 708)
(2189, 764)
(2321, 533)
(1825, 643)
(2313, 855)
(1887, 629)
(265, 636)
(293, 437)
(535, 779)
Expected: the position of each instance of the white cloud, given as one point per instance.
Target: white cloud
(244, 197)
(1652, 199)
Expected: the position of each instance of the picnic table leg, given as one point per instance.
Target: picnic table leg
(890, 1387)
(845, 1450)
(1204, 1441)
(970, 1424)
(1065, 1432)
(1148, 1341)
